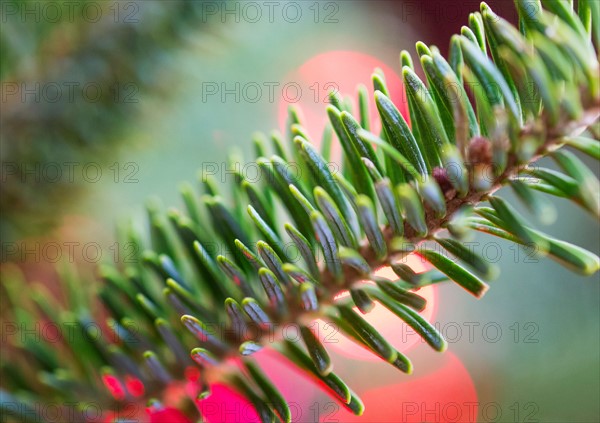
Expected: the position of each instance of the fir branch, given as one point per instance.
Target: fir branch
(413, 183)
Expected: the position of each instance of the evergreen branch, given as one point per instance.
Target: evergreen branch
(410, 184)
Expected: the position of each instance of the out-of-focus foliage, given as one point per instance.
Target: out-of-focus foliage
(72, 74)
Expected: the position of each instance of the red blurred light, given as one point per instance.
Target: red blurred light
(134, 386)
(341, 71)
(224, 405)
(167, 415)
(388, 324)
(442, 396)
(114, 386)
(192, 373)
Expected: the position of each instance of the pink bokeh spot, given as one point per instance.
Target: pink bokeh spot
(134, 386)
(167, 415)
(340, 71)
(444, 395)
(388, 324)
(114, 386)
(225, 405)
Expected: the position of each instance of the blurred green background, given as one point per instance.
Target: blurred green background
(549, 349)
